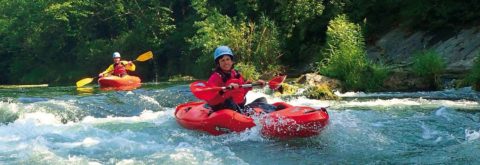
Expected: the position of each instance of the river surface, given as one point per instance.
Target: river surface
(63, 125)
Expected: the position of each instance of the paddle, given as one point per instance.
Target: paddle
(143, 57)
(201, 90)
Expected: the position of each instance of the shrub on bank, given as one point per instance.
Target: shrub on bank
(248, 71)
(473, 77)
(430, 65)
(345, 54)
(181, 78)
(321, 92)
(253, 42)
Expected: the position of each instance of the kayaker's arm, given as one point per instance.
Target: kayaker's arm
(129, 65)
(109, 70)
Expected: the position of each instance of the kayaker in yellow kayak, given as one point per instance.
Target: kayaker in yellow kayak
(118, 68)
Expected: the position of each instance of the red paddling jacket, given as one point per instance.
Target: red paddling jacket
(220, 79)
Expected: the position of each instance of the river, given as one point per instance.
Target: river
(62, 125)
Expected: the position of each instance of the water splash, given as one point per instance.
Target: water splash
(471, 135)
(139, 127)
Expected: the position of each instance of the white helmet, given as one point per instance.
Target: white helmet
(116, 55)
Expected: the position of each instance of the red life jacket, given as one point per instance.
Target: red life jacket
(119, 69)
(238, 94)
(219, 78)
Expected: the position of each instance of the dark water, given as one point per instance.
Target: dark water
(63, 125)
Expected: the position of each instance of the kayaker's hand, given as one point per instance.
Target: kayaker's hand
(100, 75)
(233, 86)
(261, 83)
(129, 63)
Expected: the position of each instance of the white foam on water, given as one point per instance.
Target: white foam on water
(443, 112)
(407, 102)
(299, 101)
(87, 142)
(381, 102)
(38, 118)
(471, 135)
(52, 105)
(465, 104)
(9, 106)
(149, 99)
(428, 133)
(9, 138)
(252, 134)
(128, 162)
(37, 153)
(185, 153)
(146, 115)
(350, 94)
(252, 95)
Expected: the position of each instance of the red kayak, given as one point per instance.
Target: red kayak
(287, 122)
(119, 83)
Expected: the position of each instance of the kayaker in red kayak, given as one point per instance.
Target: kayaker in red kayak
(226, 75)
(118, 68)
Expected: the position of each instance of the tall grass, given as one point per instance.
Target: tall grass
(430, 65)
(346, 57)
(473, 78)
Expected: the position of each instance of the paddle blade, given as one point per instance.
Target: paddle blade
(276, 82)
(145, 56)
(84, 81)
(201, 90)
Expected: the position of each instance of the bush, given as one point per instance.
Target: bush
(181, 78)
(373, 77)
(430, 65)
(248, 71)
(287, 90)
(473, 78)
(254, 43)
(320, 92)
(346, 57)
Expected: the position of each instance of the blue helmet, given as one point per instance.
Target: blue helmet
(222, 50)
(116, 55)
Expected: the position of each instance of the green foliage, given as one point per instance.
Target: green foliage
(320, 92)
(473, 77)
(433, 14)
(373, 77)
(345, 49)
(65, 34)
(428, 64)
(58, 41)
(181, 78)
(301, 29)
(253, 44)
(287, 90)
(248, 71)
(264, 52)
(297, 12)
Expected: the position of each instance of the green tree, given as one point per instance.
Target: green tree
(252, 43)
(65, 34)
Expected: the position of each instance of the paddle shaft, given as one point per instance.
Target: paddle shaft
(242, 86)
